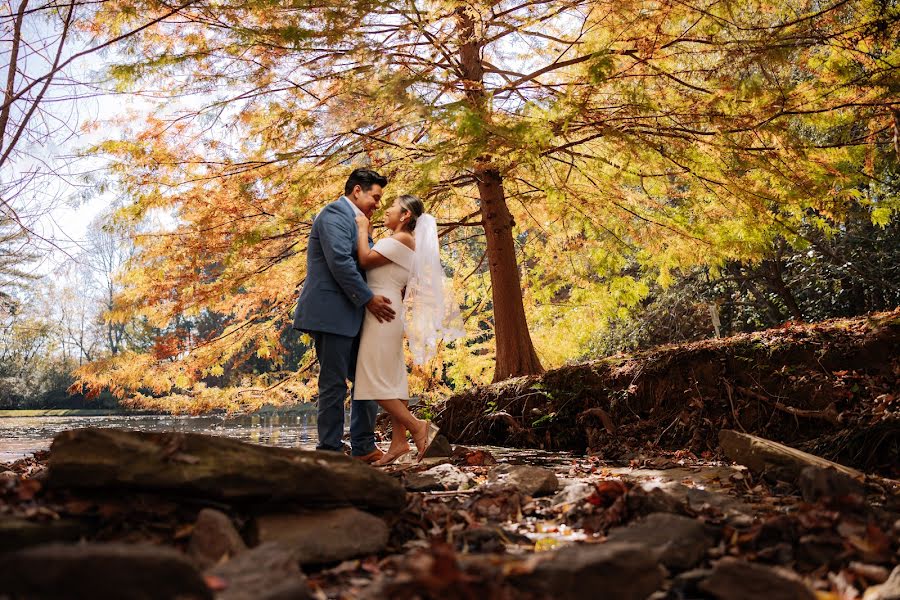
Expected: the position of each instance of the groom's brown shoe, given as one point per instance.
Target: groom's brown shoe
(371, 457)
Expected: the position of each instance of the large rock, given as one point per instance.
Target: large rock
(323, 537)
(675, 541)
(216, 467)
(268, 572)
(214, 537)
(615, 571)
(16, 533)
(100, 571)
(734, 579)
(889, 590)
(528, 480)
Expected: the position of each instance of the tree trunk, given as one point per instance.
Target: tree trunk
(515, 350)
(774, 278)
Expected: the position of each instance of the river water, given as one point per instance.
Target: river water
(22, 436)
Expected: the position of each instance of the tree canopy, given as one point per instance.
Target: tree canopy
(576, 153)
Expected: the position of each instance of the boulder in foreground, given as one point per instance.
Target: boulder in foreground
(675, 541)
(101, 571)
(268, 572)
(325, 536)
(735, 579)
(216, 467)
(614, 570)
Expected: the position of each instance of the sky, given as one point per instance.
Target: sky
(53, 206)
(73, 203)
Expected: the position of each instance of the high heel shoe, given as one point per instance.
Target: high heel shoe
(431, 432)
(389, 459)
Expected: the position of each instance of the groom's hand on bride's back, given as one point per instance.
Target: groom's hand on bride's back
(381, 308)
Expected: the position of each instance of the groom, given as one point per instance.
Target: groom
(331, 309)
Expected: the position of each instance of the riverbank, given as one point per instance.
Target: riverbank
(204, 517)
(103, 412)
(69, 412)
(828, 388)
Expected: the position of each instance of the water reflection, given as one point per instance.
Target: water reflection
(21, 436)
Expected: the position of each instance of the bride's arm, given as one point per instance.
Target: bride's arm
(368, 258)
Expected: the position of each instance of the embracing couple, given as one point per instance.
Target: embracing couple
(354, 308)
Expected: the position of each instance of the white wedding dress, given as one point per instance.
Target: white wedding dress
(380, 365)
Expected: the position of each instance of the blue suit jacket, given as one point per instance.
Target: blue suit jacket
(335, 293)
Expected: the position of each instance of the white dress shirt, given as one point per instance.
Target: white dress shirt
(355, 208)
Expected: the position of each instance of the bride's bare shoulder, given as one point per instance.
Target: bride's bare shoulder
(405, 238)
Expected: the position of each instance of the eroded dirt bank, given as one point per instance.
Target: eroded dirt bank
(832, 389)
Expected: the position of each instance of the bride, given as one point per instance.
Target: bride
(409, 260)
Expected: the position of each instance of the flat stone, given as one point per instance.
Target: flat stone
(216, 467)
(674, 497)
(675, 541)
(615, 570)
(16, 534)
(213, 538)
(889, 590)
(441, 477)
(325, 536)
(270, 571)
(642, 500)
(528, 480)
(734, 579)
(574, 493)
(422, 482)
(101, 571)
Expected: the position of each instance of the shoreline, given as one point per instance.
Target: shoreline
(113, 412)
(73, 412)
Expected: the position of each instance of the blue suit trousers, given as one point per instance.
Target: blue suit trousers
(337, 363)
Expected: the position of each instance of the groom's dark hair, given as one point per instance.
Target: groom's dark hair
(365, 179)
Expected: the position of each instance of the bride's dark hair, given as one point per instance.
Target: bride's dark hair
(415, 208)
